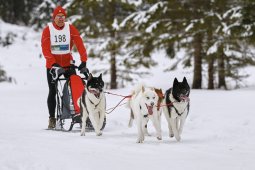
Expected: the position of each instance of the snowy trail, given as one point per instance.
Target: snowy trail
(219, 132)
(217, 135)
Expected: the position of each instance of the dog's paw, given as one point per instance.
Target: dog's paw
(139, 141)
(82, 133)
(99, 134)
(159, 137)
(178, 138)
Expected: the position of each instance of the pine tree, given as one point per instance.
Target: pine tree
(17, 11)
(227, 43)
(99, 21)
(212, 32)
(166, 25)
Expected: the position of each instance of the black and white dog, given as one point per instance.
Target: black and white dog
(93, 104)
(176, 107)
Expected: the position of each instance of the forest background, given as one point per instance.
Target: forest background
(217, 37)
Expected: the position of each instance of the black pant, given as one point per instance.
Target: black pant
(51, 101)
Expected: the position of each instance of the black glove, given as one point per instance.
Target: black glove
(82, 65)
(84, 70)
(56, 71)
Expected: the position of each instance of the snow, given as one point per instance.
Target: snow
(219, 132)
(155, 7)
(115, 24)
(135, 2)
(213, 48)
(152, 27)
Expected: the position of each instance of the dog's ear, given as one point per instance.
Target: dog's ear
(90, 76)
(184, 80)
(175, 81)
(155, 89)
(100, 76)
(161, 91)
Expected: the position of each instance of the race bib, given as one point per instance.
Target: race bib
(60, 39)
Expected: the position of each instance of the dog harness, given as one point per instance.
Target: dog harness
(83, 101)
(93, 103)
(169, 107)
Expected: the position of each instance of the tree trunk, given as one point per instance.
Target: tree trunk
(211, 72)
(197, 79)
(221, 70)
(113, 83)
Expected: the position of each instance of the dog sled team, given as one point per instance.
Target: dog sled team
(145, 103)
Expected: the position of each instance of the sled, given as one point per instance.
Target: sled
(68, 111)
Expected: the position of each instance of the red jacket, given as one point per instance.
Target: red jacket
(64, 59)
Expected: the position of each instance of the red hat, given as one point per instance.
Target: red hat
(59, 10)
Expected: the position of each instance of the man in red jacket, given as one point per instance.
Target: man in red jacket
(57, 41)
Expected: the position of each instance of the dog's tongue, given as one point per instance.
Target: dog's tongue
(184, 98)
(95, 93)
(150, 110)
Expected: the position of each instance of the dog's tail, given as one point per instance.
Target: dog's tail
(128, 105)
(131, 119)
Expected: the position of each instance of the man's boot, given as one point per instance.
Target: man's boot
(52, 123)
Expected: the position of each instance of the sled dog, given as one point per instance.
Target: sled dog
(176, 107)
(93, 104)
(159, 108)
(143, 105)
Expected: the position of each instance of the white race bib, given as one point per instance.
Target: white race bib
(60, 39)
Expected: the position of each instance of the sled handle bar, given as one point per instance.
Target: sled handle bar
(71, 66)
(60, 79)
(74, 67)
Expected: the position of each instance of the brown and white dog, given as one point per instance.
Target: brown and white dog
(159, 108)
(143, 104)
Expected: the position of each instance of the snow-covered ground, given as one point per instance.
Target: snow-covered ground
(219, 132)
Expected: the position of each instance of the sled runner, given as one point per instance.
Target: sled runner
(67, 97)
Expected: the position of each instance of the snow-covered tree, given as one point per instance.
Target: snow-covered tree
(99, 22)
(17, 11)
(211, 32)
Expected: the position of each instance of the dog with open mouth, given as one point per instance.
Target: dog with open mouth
(176, 107)
(93, 104)
(160, 94)
(143, 105)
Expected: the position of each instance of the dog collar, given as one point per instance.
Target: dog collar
(94, 103)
